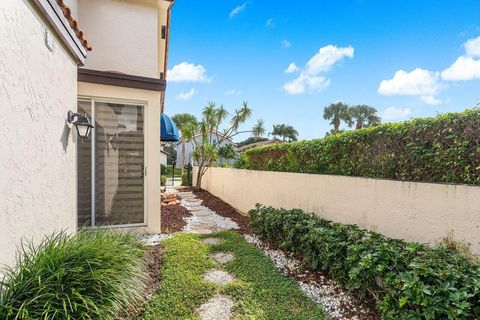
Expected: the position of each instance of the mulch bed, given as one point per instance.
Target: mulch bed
(172, 218)
(153, 261)
(224, 209)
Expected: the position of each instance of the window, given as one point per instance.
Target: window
(116, 152)
(164, 32)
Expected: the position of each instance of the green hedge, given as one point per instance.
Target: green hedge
(407, 280)
(91, 275)
(441, 149)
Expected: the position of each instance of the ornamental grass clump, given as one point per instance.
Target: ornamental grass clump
(407, 280)
(90, 275)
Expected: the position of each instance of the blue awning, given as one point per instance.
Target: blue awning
(168, 129)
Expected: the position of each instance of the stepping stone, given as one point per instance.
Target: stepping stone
(223, 257)
(202, 213)
(194, 209)
(218, 277)
(211, 241)
(193, 202)
(217, 308)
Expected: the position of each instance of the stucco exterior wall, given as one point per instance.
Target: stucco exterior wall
(151, 100)
(37, 170)
(422, 212)
(123, 35)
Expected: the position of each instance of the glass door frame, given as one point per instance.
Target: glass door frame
(143, 104)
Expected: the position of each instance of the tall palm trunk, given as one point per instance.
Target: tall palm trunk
(359, 124)
(336, 124)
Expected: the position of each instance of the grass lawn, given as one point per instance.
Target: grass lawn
(259, 291)
(178, 172)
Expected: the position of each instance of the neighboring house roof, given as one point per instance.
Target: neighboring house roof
(74, 24)
(257, 144)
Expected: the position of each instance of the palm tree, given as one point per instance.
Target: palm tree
(364, 116)
(285, 131)
(337, 112)
(258, 130)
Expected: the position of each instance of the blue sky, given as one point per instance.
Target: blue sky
(406, 58)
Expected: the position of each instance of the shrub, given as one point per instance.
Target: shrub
(441, 149)
(163, 169)
(163, 180)
(187, 178)
(91, 275)
(407, 280)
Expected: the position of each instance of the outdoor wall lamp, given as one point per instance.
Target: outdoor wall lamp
(81, 122)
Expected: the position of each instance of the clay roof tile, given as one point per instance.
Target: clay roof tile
(73, 23)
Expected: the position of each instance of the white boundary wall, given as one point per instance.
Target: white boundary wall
(423, 212)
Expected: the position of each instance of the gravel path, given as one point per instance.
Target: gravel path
(203, 220)
(337, 302)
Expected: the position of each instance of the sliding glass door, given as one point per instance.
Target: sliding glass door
(112, 193)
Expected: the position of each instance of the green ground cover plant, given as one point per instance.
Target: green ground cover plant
(407, 280)
(259, 291)
(182, 288)
(445, 148)
(90, 275)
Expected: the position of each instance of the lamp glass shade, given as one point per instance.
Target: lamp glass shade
(83, 130)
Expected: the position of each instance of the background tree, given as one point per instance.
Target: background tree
(258, 129)
(213, 118)
(285, 132)
(186, 123)
(226, 152)
(364, 116)
(337, 112)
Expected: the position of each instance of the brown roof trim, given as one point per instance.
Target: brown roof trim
(54, 14)
(121, 80)
(73, 23)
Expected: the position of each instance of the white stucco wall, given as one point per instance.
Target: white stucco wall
(123, 35)
(37, 170)
(423, 212)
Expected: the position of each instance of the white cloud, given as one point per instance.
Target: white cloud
(292, 68)
(393, 113)
(285, 44)
(237, 10)
(431, 100)
(303, 84)
(186, 71)
(464, 68)
(327, 57)
(419, 82)
(183, 96)
(233, 92)
(270, 23)
(472, 47)
(311, 79)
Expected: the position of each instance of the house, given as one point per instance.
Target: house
(40, 53)
(189, 146)
(122, 88)
(164, 157)
(51, 179)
